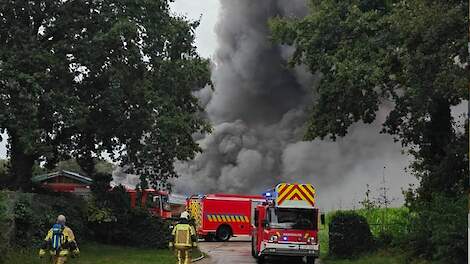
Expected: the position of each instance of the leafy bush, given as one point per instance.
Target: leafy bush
(5, 225)
(439, 229)
(349, 234)
(34, 214)
(113, 221)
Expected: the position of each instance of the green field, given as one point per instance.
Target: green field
(102, 254)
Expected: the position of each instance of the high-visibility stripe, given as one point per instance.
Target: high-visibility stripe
(282, 187)
(304, 192)
(308, 197)
(228, 218)
(284, 193)
(310, 189)
(282, 196)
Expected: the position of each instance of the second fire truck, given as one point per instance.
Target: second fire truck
(221, 216)
(286, 223)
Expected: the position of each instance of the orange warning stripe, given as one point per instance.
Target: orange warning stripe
(222, 218)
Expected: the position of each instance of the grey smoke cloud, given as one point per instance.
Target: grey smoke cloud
(259, 108)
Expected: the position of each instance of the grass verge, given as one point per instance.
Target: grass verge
(103, 254)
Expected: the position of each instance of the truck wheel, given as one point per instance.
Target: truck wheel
(253, 251)
(261, 260)
(223, 233)
(310, 260)
(209, 238)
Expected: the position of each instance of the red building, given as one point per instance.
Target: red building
(63, 181)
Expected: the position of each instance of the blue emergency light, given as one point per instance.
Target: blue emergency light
(269, 194)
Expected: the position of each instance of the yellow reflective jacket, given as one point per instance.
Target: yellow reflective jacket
(69, 243)
(184, 236)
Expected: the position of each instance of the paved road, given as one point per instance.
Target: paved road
(235, 251)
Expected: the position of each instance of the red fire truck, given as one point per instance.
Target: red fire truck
(222, 216)
(286, 223)
(156, 201)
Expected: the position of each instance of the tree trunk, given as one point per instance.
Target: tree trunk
(21, 164)
(437, 135)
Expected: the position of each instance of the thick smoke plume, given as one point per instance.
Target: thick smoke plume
(259, 108)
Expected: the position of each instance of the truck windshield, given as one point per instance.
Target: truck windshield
(154, 200)
(290, 218)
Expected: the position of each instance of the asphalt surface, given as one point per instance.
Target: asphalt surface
(236, 251)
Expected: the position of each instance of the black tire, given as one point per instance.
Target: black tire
(311, 260)
(209, 238)
(223, 233)
(261, 260)
(253, 250)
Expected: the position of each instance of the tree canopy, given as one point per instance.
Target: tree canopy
(410, 54)
(81, 78)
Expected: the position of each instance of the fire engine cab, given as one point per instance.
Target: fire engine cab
(286, 223)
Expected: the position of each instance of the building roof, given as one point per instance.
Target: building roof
(64, 173)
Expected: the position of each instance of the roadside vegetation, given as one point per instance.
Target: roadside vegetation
(101, 254)
(387, 238)
(408, 56)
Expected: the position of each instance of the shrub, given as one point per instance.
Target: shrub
(439, 229)
(349, 234)
(5, 225)
(114, 222)
(34, 214)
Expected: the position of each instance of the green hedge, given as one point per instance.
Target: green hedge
(5, 225)
(439, 229)
(113, 221)
(34, 215)
(349, 235)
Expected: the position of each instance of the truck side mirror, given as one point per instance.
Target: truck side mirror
(265, 223)
(322, 219)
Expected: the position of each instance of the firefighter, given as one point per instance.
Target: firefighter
(183, 239)
(59, 243)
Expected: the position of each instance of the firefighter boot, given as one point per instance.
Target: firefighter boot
(59, 260)
(184, 256)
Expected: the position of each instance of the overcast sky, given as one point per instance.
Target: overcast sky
(206, 10)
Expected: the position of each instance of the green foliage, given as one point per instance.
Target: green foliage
(101, 166)
(4, 225)
(4, 175)
(34, 214)
(410, 53)
(439, 229)
(388, 223)
(131, 95)
(113, 221)
(101, 185)
(93, 253)
(349, 235)
(384, 256)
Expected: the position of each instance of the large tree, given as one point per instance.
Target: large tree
(410, 53)
(80, 78)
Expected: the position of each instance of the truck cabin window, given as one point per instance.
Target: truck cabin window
(289, 218)
(153, 201)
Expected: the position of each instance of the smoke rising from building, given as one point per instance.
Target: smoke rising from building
(259, 108)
